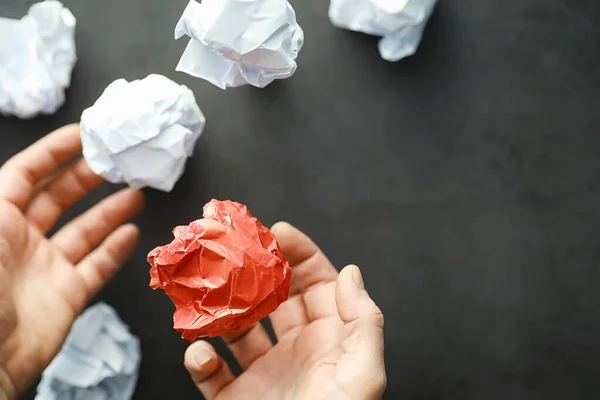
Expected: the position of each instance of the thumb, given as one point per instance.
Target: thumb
(362, 365)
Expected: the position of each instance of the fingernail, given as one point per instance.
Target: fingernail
(357, 278)
(202, 357)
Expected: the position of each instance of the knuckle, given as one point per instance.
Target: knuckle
(377, 318)
(83, 233)
(112, 254)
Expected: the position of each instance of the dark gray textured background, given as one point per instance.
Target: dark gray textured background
(465, 181)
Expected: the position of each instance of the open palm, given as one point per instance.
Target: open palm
(329, 338)
(46, 282)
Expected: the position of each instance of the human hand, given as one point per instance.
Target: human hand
(46, 282)
(329, 332)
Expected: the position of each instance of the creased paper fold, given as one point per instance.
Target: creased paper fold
(142, 132)
(400, 23)
(99, 360)
(37, 56)
(240, 42)
(223, 272)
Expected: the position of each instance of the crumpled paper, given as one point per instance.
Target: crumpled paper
(37, 56)
(223, 272)
(142, 132)
(99, 360)
(240, 42)
(399, 22)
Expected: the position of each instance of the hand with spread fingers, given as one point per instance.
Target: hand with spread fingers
(329, 338)
(45, 282)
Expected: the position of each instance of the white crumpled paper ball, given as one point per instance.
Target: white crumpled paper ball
(142, 132)
(400, 22)
(99, 360)
(37, 56)
(240, 42)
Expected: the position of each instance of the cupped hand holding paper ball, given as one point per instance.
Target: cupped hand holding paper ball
(223, 272)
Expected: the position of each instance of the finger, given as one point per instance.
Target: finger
(73, 183)
(84, 233)
(289, 317)
(209, 372)
(310, 265)
(320, 302)
(363, 325)
(314, 275)
(20, 174)
(248, 345)
(97, 268)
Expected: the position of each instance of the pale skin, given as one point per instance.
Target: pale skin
(329, 338)
(329, 332)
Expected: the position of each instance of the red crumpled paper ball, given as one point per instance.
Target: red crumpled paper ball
(223, 272)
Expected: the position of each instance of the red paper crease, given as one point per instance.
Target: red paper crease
(223, 272)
